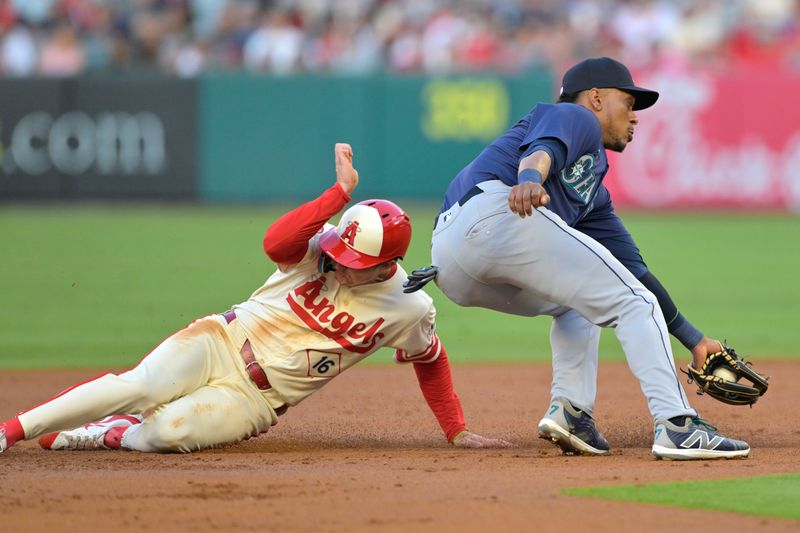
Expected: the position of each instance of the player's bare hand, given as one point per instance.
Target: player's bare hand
(705, 347)
(467, 439)
(527, 196)
(346, 175)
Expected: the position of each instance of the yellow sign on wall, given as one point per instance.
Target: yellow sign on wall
(468, 109)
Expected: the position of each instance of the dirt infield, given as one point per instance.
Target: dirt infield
(366, 454)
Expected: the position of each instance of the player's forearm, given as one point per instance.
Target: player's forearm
(678, 326)
(286, 240)
(539, 162)
(436, 383)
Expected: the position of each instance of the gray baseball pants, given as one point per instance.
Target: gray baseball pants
(490, 257)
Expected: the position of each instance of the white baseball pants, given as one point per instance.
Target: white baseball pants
(192, 389)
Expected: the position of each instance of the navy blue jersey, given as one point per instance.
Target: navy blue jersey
(574, 179)
(603, 225)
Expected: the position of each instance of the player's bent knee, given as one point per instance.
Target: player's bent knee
(641, 303)
(177, 434)
(171, 435)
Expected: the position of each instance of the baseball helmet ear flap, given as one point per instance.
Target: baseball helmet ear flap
(369, 233)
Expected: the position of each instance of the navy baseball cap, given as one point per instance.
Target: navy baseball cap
(604, 73)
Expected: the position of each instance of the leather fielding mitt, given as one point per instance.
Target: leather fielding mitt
(726, 377)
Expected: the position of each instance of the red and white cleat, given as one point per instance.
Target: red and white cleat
(89, 437)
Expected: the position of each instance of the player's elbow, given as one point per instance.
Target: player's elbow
(274, 250)
(269, 247)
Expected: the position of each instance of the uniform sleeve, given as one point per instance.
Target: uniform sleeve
(419, 343)
(286, 240)
(603, 225)
(421, 346)
(312, 255)
(572, 125)
(554, 148)
(436, 383)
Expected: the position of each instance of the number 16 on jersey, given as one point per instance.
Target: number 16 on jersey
(323, 364)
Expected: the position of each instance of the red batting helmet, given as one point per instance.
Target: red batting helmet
(369, 233)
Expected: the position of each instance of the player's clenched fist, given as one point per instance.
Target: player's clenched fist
(467, 439)
(525, 197)
(346, 175)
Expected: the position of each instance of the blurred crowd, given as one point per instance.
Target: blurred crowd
(281, 37)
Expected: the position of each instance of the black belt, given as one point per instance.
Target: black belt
(474, 191)
(254, 370)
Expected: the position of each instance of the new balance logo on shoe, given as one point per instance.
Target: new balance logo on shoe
(553, 409)
(695, 439)
(699, 439)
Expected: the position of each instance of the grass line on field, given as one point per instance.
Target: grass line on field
(776, 496)
(108, 283)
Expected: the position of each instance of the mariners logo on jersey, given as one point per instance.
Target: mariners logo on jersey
(580, 176)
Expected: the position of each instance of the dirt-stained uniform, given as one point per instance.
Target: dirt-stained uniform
(227, 377)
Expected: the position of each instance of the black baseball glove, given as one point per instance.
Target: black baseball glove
(419, 278)
(721, 374)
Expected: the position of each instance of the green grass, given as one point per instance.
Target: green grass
(100, 285)
(776, 496)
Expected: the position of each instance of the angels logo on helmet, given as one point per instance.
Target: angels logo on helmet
(349, 233)
(369, 233)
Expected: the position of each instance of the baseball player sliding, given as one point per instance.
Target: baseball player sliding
(336, 298)
(497, 246)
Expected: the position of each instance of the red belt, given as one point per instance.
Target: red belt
(254, 370)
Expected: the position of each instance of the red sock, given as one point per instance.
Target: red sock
(113, 438)
(14, 431)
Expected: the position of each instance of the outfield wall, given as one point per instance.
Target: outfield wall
(98, 138)
(241, 137)
(721, 139)
(410, 135)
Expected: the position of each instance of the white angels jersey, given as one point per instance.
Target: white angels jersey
(305, 328)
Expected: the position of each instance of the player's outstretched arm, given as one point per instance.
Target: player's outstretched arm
(286, 240)
(346, 174)
(436, 382)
